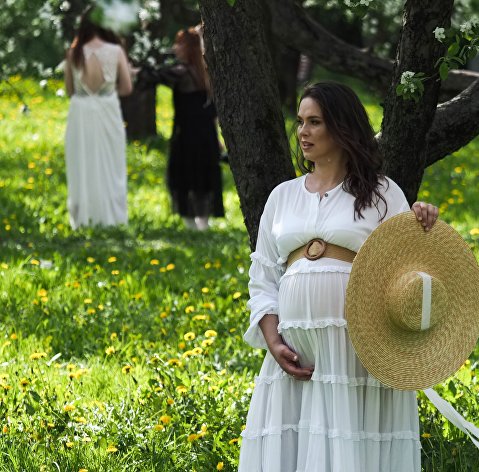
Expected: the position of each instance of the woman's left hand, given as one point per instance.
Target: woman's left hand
(425, 213)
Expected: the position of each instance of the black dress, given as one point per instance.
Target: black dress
(194, 174)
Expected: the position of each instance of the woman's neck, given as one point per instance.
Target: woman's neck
(325, 177)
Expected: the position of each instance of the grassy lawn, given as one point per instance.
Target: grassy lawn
(121, 349)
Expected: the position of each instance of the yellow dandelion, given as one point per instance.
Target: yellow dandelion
(37, 355)
(170, 401)
(91, 311)
(112, 259)
(208, 265)
(87, 301)
(170, 266)
(110, 350)
(187, 354)
(126, 369)
(174, 361)
(163, 314)
(111, 448)
(90, 260)
(425, 435)
(197, 351)
(165, 419)
(35, 262)
(158, 427)
(83, 470)
(80, 419)
(13, 336)
(42, 292)
(69, 444)
(189, 309)
(200, 317)
(154, 262)
(181, 389)
(236, 295)
(71, 367)
(181, 345)
(115, 272)
(207, 342)
(31, 165)
(48, 171)
(233, 441)
(192, 437)
(189, 336)
(209, 305)
(210, 333)
(3, 265)
(205, 290)
(474, 232)
(101, 307)
(113, 336)
(220, 466)
(458, 169)
(69, 407)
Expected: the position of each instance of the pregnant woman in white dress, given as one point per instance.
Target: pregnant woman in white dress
(314, 407)
(96, 72)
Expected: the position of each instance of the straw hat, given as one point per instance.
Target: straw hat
(412, 303)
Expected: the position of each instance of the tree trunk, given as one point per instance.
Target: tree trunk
(139, 113)
(247, 100)
(406, 122)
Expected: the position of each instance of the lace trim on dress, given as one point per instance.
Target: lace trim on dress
(316, 269)
(333, 433)
(265, 261)
(323, 378)
(308, 324)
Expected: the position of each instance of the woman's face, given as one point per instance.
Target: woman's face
(314, 138)
(180, 51)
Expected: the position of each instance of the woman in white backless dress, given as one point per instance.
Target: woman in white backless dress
(96, 72)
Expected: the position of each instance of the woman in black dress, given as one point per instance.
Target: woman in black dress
(194, 173)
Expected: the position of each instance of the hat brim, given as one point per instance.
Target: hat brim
(410, 360)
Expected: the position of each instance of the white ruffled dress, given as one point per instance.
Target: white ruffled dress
(343, 419)
(95, 147)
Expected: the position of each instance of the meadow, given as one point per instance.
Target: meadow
(121, 348)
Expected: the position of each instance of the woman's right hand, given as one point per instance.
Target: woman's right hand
(288, 361)
(284, 356)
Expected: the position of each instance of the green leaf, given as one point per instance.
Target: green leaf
(231, 2)
(453, 49)
(35, 396)
(452, 388)
(443, 71)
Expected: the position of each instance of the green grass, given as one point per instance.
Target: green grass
(121, 348)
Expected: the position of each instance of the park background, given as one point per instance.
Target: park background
(121, 348)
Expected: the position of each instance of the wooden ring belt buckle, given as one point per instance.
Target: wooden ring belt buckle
(315, 249)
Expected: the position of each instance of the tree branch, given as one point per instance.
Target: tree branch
(294, 27)
(455, 124)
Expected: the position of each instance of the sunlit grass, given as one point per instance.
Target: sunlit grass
(120, 348)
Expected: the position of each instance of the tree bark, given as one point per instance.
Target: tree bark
(139, 113)
(406, 122)
(247, 100)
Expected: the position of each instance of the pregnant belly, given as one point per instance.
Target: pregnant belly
(311, 314)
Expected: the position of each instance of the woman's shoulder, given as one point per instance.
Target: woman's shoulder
(389, 186)
(284, 190)
(288, 186)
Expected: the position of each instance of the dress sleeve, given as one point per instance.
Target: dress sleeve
(166, 75)
(264, 274)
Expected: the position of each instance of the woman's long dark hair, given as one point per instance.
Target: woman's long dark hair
(86, 31)
(348, 124)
